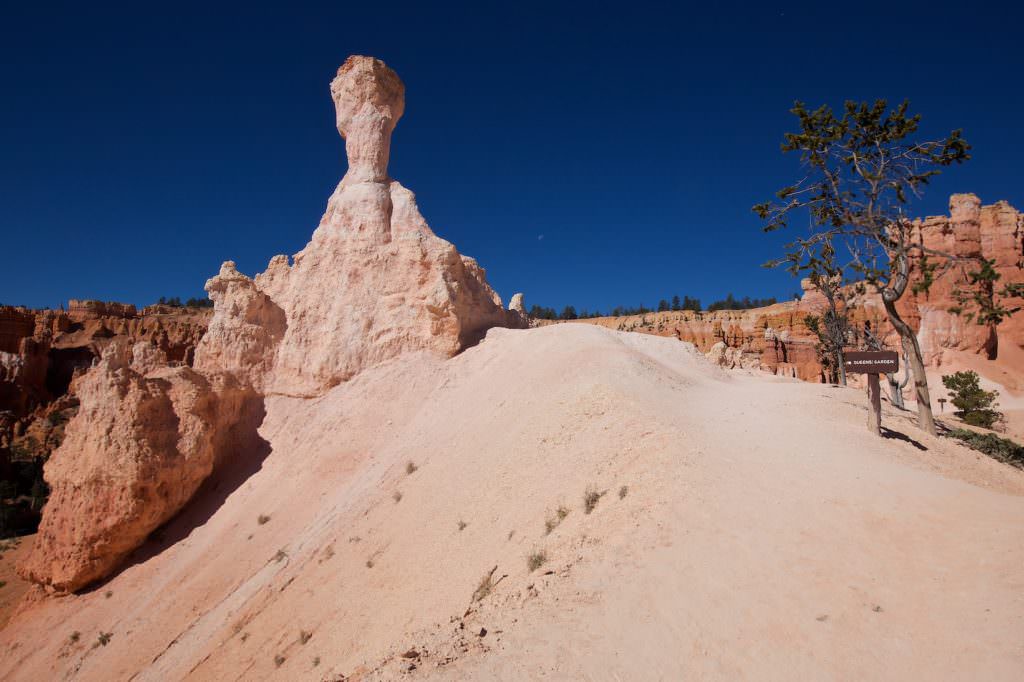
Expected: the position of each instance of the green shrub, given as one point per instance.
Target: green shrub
(976, 406)
(1002, 449)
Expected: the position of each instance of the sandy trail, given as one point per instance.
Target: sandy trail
(763, 534)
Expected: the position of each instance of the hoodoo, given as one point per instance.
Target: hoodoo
(373, 283)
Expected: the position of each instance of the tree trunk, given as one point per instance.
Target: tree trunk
(896, 385)
(925, 419)
(895, 390)
(841, 362)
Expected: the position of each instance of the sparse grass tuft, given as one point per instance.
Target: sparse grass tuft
(397, 497)
(536, 560)
(486, 585)
(104, 638)
(304, 636)
(590, 499)
(623, 491)
(262, 518)
(410, 468)
(552, 521)
(462, 524)
(279, 661)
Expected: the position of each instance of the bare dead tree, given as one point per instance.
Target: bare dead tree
(832, 327)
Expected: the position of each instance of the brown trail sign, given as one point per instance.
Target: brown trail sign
(873, 363)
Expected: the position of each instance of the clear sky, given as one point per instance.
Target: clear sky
(588, 153)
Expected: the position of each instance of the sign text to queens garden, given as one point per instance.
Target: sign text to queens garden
(872, 362)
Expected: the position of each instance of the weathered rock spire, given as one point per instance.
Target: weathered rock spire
(373, 283)
(369, 98)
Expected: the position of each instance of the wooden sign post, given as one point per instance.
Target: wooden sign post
(873, 363)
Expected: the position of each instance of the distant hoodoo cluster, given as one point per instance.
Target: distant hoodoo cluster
(373, 283)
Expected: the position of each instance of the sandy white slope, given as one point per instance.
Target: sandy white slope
(764, 534)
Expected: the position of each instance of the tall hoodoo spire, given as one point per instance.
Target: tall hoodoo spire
(373, 283)
(369, 98)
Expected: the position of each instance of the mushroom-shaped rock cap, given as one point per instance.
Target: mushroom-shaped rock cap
(369, 98)
(964, 207)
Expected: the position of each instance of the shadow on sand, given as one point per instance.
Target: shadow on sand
(896, 435)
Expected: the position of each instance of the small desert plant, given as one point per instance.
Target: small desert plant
(410, 468)
(305, 636)
(316, 661)
(104, 638)
(3, 583)
(280, 556)
(462, 524)
(75, 636)
(1002, 449)
(976, 405)
(486, 585)
(279, 661)
(590, 499)
(552, 521)
(369, 563)
(108, 594)
(536, 560)
(262, 518)
(397, 497)
(623, 491)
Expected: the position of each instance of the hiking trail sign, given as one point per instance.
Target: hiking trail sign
(873, 363)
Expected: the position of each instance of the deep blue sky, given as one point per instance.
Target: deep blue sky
(594, 155)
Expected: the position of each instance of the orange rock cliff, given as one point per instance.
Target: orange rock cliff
(776, 339)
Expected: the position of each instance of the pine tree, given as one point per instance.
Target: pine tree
(859, 169)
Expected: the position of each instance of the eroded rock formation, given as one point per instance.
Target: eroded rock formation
(373, 283)
(243, 335)
(971, 232)
(776, 338)
(145, 438)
